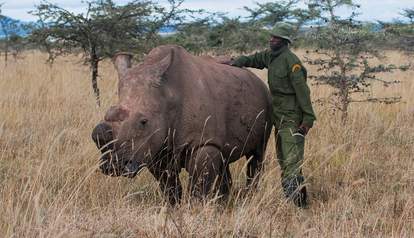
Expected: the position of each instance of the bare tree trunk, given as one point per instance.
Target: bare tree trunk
(343, 87)
(15, 55)
(344, 109)
(94, 68)
(344, 97)
(6, 51)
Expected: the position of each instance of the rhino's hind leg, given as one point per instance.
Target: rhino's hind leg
(254, 168)
(226, 182)
(208, 174)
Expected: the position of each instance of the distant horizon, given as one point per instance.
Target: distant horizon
(387, 10)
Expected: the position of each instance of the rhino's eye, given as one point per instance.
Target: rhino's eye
(143, 122)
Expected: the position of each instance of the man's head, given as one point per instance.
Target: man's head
(276, 42)
(280, 35)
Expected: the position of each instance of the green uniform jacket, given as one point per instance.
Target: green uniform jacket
(291, 101)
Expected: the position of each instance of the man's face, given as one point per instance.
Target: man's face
(275, 42)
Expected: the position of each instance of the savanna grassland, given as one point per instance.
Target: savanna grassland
(360, 176)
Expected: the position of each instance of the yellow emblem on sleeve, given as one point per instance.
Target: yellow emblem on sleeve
(296, 68)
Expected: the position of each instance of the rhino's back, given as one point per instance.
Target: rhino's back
(245, 102)
(217, 104)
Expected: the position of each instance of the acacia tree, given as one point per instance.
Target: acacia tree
(102, 30)
(193, 32)
(272, 12)
(9, 29)
(222, 34)
(268, 14)
(409, 13)
(233, 35)
(16, 45)
(41, 40)
(343, 49)
(399, 34)
(406, 32)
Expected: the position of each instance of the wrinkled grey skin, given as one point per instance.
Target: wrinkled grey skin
(177, 111)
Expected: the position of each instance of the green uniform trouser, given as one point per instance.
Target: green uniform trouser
(290, 149)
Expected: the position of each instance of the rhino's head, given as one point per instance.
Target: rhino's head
(136, 128)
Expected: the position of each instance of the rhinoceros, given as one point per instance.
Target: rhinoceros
(176, 111)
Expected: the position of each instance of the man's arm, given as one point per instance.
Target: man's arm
(257, 60)
(298, 79)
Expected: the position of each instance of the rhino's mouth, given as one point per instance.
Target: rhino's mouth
(114, 162)
(112, 166)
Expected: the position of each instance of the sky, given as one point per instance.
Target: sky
(371, 10)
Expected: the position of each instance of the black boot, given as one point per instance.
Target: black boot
(295, 191)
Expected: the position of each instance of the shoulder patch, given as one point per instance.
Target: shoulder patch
(296, 68)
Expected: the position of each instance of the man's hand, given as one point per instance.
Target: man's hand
(303, 129)
(228, 60)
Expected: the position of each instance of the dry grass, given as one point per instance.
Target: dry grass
(360, 176)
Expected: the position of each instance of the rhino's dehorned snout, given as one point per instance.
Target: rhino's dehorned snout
(113, 162)
(102, 135)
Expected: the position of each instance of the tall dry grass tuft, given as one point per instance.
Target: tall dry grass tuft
(360, 176)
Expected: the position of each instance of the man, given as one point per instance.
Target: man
(293, 114)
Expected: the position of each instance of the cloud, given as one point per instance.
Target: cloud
(20, 9)
(25, 4)
(385, 10)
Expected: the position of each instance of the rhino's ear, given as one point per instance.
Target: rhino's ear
(161, 67)
(122, 62)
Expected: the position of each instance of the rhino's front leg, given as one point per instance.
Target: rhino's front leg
(169, 181)
(208, 174)
(254, 168)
